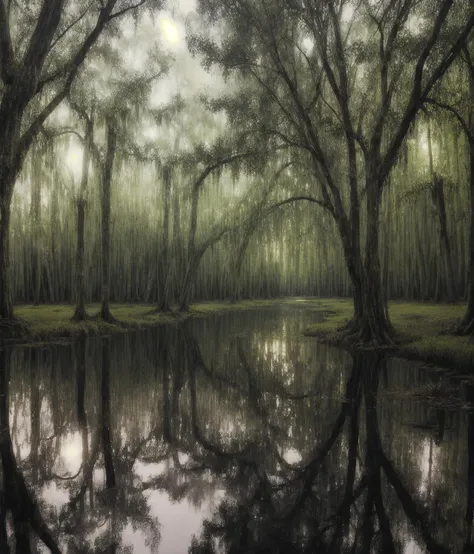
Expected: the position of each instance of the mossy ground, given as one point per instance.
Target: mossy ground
(421, 327)
(423, 330)
(48, 322)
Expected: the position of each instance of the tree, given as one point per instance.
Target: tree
(214, 159)
(305, 62)
(27, 74)
(88, 119)
(462, 111)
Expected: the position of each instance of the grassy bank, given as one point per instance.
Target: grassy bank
(420, 326)
(52, 322)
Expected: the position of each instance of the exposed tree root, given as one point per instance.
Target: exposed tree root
(365, 335)
(108, 317)
(465, 328)
(80, 315)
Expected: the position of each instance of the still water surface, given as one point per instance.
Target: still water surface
(231, 434)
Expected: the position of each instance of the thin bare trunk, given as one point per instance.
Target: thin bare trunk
(106, 194)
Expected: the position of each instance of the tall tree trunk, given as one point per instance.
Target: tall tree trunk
(6, 305)
(440, 207)
(192, 262)
(35, 218)
(467, 324)
(105, 313)
(165, 259)
(370, 323)
(80, 312)
(470, 473)
(375, 325)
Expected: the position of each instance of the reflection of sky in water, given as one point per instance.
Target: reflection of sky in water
(227, 418)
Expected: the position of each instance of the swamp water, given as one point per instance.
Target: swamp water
(232, 434)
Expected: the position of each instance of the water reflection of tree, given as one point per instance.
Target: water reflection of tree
(285, 513)
(166, 397)
(15, 497)
(120, 500)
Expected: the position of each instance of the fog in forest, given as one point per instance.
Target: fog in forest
(236, 276)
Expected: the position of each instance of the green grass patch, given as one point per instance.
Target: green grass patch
(47, 322)
(422, 328)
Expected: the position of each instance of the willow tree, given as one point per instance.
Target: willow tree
(210, 160)
(342, 87)
(42, 48)
(458, 101)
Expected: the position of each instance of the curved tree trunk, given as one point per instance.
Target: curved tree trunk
(237, 293)
(189, 278)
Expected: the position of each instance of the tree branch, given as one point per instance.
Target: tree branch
(69, 27)
(125, 10)
(418, 92)
(453, 111)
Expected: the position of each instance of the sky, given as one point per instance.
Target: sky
(166, 34)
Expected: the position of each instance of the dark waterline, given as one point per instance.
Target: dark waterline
(231, 434)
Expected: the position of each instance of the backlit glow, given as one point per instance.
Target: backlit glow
(74, 160)
(170, 31)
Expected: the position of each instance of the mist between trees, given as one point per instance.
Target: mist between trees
(331, 154)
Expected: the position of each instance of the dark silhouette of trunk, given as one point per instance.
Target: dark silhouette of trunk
(438, 198)
(56, 287)
(17, 498)
(35, 218)
(413, 512)
(165, 258)
(166, 393)
(370, 323)
(374, 449)
(467, 324)
(6, 305)
(469, 547)
(3, 523)
(244, 244)
(374, 325)
(105, 313)
(190, 275)
(105, 416)
(35, 422)
(82, 415)
(80, 312)
(342, 528)
(192, 259)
